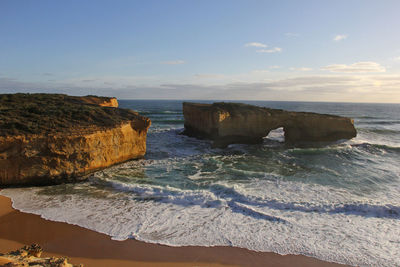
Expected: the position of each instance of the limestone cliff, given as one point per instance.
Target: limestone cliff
(227, 123)
(67, 140)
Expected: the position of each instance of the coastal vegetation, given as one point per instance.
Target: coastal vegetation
(47, 113)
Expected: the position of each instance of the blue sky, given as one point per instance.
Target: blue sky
(260, 50)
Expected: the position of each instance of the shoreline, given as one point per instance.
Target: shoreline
(91, 248)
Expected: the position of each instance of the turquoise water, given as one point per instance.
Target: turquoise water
(339, 202)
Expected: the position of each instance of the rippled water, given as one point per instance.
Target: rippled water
(339, 202)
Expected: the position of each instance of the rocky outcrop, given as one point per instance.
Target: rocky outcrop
(227, 123)
(100, 101)
(30, 256)
(104, 137)
(56, 158)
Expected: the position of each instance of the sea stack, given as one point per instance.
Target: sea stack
(54, 138)
(229, 123)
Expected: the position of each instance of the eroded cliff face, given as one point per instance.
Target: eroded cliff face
(41, 159)
(69, 154)
(227, 123)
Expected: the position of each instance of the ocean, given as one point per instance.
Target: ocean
(339, 202)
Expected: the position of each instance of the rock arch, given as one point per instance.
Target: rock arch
(228, 123)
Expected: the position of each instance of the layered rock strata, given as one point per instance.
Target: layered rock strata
(228, 123)
(65, 141)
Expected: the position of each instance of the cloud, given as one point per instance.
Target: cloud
(260, 71)
(299, 83)
(261, 45)
(275, 67)
(272, 50)
(10, 85)
(48, 74)
(208, 76)
(339, 37)
(396, 58)
(311, 88)
(331, 87)
(255, 44)
(359, 67)
(301, 69)
(173, 62)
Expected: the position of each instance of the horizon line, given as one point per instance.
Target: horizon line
(232, 100)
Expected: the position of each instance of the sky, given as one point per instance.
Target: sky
(340, 51)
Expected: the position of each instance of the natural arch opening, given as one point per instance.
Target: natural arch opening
(276, 135)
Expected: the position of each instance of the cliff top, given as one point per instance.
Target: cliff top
(242, 109)
(231, 107)
(98, 100)
(54, 113)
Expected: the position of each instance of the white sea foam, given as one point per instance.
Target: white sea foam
(284, 217)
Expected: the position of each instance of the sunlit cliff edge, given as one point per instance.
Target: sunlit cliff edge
(51, 138)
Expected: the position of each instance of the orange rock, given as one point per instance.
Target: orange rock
(69, 154)
(227, 123)
(101, 101)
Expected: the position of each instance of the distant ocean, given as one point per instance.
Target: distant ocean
(338, 203)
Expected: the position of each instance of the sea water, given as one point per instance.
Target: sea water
(339, 202)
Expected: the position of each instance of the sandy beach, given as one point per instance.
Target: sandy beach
(95, 249)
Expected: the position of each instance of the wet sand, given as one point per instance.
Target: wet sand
(81, 245)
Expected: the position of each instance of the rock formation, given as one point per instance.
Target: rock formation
(47, 139)
(101, 101)
(30, 256)
(228, 123)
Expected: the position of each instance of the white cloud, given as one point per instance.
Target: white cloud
(396, 58)
(355, 88)
(359, 67)
(173, 62)
(339, 37)
(208, 76)
(261, 45)
(255, 44)
(260, 71)
(275, 67)
(272, 50)
(301, 69)
(350, 88)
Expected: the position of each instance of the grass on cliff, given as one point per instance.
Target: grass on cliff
(49, 113)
